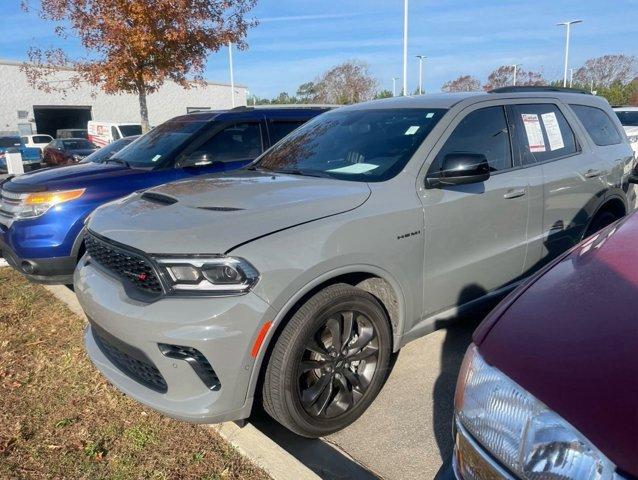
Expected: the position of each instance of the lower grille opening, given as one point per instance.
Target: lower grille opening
(129, 360)
(196, 360)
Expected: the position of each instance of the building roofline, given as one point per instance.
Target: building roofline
(17, 63)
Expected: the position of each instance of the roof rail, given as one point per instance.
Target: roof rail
(283, 105)
(523, 89)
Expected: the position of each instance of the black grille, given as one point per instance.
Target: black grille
(127, 265)
(129, 360)
(196, 360)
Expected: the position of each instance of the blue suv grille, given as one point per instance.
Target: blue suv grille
(127, 265)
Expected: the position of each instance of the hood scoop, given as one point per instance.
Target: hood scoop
(158, 198)
(220, 209)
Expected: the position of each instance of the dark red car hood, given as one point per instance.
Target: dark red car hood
(570, 338)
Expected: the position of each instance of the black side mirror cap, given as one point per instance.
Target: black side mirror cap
(460, 169)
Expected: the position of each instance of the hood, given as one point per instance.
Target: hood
(570, 340)
(71, 176)
(214, 214)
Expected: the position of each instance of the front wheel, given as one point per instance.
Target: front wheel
(329, 362)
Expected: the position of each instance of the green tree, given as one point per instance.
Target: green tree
(385, 93)
(306, 92)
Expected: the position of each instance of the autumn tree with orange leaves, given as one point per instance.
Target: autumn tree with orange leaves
(136, 46)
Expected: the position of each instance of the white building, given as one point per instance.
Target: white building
(26, 110)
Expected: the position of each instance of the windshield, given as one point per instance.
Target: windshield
(77, 144)
(7, 142)
(41, 139)
(130, 130)
(108, 151)
(629, 118)
(154, 147)
(359, 145)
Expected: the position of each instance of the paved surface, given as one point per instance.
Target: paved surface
(406, 432)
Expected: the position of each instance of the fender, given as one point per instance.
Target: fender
(279, 317)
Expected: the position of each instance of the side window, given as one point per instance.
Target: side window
(543, 133)
(115, 134)
(279, 129)
(598, 125)
(240, 141)
(483, 131)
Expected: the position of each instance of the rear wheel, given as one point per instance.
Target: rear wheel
(329, 362)
(600, 221)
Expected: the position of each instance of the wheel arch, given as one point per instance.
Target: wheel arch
(615, 204)
(373, 280)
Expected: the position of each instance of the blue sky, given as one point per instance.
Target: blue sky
(298, 39)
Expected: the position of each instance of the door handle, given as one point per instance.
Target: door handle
(593, 173)
(515, 193)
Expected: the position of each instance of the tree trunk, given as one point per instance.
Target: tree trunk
(141, 91)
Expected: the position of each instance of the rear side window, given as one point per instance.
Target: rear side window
(543, 133)
(483, 131)
(240, 141)
(115, 134)
(598, 125)
(279, 130)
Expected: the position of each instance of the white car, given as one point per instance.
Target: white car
(629, 118)
(37, 141)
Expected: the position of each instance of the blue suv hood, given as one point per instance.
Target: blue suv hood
(80, 175)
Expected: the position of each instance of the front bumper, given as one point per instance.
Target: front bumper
(54, 270)
(223, 329)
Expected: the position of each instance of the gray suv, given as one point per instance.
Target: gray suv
(295, 281)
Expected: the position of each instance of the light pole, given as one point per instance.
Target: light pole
(516, 65)
(567, 31)
(405, 47)
(232, 77)
(421, 58)
(394, 86)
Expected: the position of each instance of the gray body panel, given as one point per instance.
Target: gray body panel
(437, 250)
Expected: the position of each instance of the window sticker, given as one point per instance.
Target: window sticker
(554, 135)
(412, 130)
(355, 168)
(534, 132)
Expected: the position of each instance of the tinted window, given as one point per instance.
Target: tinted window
(6, 142)
(108, 151)
(598, 124)
(359, 145)
(629, 118)
(77, 144)
(130, 130)
(543, 133)
(279, 130)
(41, 139)
(115, 134)
(484, 132)
(161, 142)
(239, 141)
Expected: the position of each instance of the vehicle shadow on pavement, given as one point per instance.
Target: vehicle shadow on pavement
(458, 336)
(325, 460)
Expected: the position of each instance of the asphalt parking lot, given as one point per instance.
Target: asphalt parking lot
(406, 433)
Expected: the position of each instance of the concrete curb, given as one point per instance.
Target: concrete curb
(248, 440)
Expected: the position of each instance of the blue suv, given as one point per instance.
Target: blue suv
(42, 213)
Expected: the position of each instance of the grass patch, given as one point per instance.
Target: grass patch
(60, 419)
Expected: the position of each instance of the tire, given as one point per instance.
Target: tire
(600, 221)
(310, 386)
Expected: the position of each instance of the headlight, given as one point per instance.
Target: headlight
(209, 275)
(520, 432)
(31, 205)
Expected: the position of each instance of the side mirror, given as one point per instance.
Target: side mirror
(196, 159)
(460, 169)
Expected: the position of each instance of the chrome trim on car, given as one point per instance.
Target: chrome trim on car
(465, 441)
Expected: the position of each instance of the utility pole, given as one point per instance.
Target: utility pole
(516, 65)
(567, 32)
(232, 77)
(394, 86)
(421, 58)
(405, 47)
